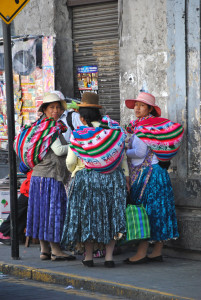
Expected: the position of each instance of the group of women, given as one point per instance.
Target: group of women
(103, 171)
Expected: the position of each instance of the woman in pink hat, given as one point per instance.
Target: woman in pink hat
(154, 142)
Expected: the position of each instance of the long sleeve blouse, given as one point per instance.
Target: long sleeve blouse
(138, 151)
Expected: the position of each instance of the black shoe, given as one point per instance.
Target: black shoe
(156, 258)
(88, 263)
(109, 264)
(6, 242)
(139, 261)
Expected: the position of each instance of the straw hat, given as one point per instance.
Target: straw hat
(146, 98)
(90, 100)
(52, 97)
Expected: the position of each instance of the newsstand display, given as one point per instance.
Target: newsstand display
(33, 76)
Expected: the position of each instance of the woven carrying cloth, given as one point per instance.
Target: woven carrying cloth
(161, 135)
(33, 141)
(100, 148)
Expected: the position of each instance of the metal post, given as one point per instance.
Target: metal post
(11, 136)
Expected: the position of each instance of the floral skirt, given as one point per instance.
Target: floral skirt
(46, 209)
(158, 200)
(96, 208)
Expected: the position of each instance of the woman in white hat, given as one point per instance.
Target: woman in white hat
(47, 195)
(154, 140)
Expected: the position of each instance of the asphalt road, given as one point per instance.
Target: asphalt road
(12, 288)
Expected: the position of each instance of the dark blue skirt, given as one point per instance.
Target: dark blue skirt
(96, 208)
(158, 200)
(46, 209)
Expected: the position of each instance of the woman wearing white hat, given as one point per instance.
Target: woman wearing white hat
(154, 140)
(47, 195)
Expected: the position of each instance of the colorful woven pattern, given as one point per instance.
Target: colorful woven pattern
(33, 141)
(161, 135)
(137, 223)
(100, 149)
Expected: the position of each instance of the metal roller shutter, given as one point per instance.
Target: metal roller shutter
(96, 42)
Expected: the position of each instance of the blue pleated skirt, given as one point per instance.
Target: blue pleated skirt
(158, 200)
(46, 209)
(96, 208)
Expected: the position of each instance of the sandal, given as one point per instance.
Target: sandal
(57, 257)
(45, 256)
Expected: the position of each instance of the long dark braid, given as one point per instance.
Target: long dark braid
(90, 114)
(89, 123)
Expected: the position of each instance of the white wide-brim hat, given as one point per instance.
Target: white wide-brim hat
(146, 98)
(52, 97)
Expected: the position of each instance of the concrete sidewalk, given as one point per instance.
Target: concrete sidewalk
(173, 279)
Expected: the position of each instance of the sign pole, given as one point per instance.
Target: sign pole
(11, 136)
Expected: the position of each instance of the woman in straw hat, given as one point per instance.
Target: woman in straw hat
(97, 197)
(47, 195)
(154, 140)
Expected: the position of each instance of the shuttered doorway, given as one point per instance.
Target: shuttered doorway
(95, 42)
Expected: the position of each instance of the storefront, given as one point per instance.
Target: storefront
(96, 44)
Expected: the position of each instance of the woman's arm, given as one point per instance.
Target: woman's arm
(138, 150)
(124, 166)
(71, 160)
(58, 148)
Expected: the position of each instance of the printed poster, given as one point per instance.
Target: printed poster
(87, 77)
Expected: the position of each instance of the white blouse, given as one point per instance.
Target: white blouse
(138, 151)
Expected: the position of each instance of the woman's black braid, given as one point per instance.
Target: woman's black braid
(90, 114)
(89, 123)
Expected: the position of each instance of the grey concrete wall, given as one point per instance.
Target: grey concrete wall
(143, 52)
(64, 48)
(36, 18)
(183, 40)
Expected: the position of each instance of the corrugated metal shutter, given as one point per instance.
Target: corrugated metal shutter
(82, 2)
(96, 42)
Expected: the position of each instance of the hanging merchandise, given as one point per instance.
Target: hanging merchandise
(3, 125)
(48, 64)
(33, 75)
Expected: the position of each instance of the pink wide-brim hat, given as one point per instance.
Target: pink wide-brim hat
(146, 98)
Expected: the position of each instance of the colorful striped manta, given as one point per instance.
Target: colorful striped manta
(161, 135)
(33, 141)
(100, 148)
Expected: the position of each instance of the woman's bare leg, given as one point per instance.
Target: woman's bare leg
(89, 246)
(109, 250)
(56, 249)
(141, 251)
(157, 250)
(44, 246)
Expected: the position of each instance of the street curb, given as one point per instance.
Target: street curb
(86, 283)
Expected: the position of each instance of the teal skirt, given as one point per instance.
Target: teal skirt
(158, 200)
(96, 208)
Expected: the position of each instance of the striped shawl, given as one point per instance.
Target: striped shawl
(33, 141)
(161, 135)
(100, 148)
